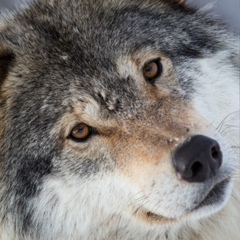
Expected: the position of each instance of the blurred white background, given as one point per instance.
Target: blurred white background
(226, 10)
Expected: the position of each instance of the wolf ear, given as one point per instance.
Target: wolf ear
(6, 60)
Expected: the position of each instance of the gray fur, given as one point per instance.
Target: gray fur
(55, 55)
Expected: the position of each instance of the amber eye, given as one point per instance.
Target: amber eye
(80, 132)
(152, 70)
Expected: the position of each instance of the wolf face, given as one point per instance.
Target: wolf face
(118, 121)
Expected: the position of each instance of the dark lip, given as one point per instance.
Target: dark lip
(216, 195)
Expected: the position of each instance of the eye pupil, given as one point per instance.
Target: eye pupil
(152, 70)
(80, 132)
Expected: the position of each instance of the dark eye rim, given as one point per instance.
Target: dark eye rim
(92, 131)
(159, 73)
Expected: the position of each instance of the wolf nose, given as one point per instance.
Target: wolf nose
(198, 159)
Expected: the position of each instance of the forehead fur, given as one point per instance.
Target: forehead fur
(43, 37)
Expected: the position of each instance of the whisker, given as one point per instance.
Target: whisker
(224, 120)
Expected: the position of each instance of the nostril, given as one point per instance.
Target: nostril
(215, 152)
(216, 156)
(196, 168)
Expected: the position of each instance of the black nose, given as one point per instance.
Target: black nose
(198, 159)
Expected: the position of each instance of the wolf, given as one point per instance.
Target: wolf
(119, 120)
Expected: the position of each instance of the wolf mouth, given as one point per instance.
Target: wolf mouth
(216, 196)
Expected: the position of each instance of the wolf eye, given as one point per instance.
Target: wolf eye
(81, 132)
(152, 70)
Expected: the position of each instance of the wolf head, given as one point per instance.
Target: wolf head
(105, 109)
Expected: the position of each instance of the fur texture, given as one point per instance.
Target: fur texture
(68, 62)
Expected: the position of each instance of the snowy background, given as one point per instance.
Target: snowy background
(226, 10)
